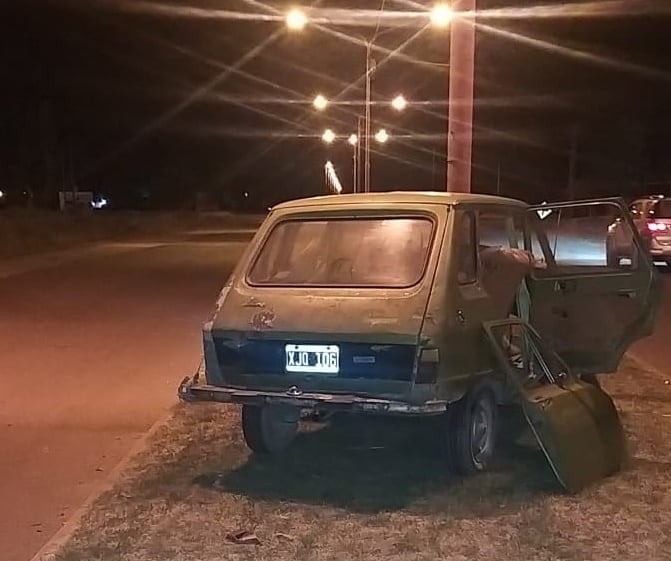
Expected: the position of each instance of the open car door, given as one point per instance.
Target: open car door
(594, 289)
(575, 423)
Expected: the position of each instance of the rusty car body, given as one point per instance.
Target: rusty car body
(393, 303)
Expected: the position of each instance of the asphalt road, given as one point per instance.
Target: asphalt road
(93, 344)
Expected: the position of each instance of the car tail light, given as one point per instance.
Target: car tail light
(427, 366)
(657, 227)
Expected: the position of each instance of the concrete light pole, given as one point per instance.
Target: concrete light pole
(460, 101)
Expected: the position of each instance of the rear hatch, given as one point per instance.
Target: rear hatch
(330, 305)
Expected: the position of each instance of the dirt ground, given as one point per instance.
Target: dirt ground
(377, 490)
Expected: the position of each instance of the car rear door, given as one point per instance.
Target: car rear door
(588, 307)
(574, 422)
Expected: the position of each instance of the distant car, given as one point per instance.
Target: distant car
(400, 304)
(652, 218)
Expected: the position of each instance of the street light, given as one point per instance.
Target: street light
(381, 136)
(296, 19)
(399, 103)
(328, 136)
(441, 15)
(353, 139)
(320, 102)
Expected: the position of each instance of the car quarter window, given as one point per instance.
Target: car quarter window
(466, 248)
(500, 228)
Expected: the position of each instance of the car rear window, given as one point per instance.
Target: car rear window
(662, 209)
(390, 252)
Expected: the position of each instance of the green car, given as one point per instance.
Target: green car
(443, 304)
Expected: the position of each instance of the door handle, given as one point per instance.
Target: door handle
(565, 285)
(627, 293)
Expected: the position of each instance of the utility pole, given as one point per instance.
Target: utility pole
(460, 101)
(356, 180)
(573, 157)
(498, 180)
(366, 187)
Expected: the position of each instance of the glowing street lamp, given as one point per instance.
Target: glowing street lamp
(399, 103)
(353, 139)
(441, 15)
(320, 102)
(329, 136)
(296, 19)
(381, 136)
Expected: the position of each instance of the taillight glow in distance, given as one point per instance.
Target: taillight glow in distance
(657, 227)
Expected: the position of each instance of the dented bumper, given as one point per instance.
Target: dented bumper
(192, 390)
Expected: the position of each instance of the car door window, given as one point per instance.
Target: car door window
(582, 239)
(596, 292)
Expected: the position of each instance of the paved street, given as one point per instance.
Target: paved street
(91, 352)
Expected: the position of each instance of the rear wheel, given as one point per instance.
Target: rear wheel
(472, 428)
(269, 429)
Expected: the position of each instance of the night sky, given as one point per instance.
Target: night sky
(141, 102)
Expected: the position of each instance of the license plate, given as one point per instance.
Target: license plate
(318, 359)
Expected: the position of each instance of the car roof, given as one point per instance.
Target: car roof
(400, 197)
(649, 198)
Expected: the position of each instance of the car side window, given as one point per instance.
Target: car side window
(500, 229)
(584, 238)
(466, 248)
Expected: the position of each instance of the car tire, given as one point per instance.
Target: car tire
(472, 428)
(269, 429)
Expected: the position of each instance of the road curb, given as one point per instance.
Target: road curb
(50, 549)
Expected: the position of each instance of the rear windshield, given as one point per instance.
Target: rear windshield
(363, 252)
(662, 209)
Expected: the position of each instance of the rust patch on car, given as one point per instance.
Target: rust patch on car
(254, 303)
(262, 320)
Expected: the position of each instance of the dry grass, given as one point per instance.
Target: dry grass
(376, 490)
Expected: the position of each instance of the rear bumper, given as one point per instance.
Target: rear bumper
(191, 390)
(660, 250)
(662, 253)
